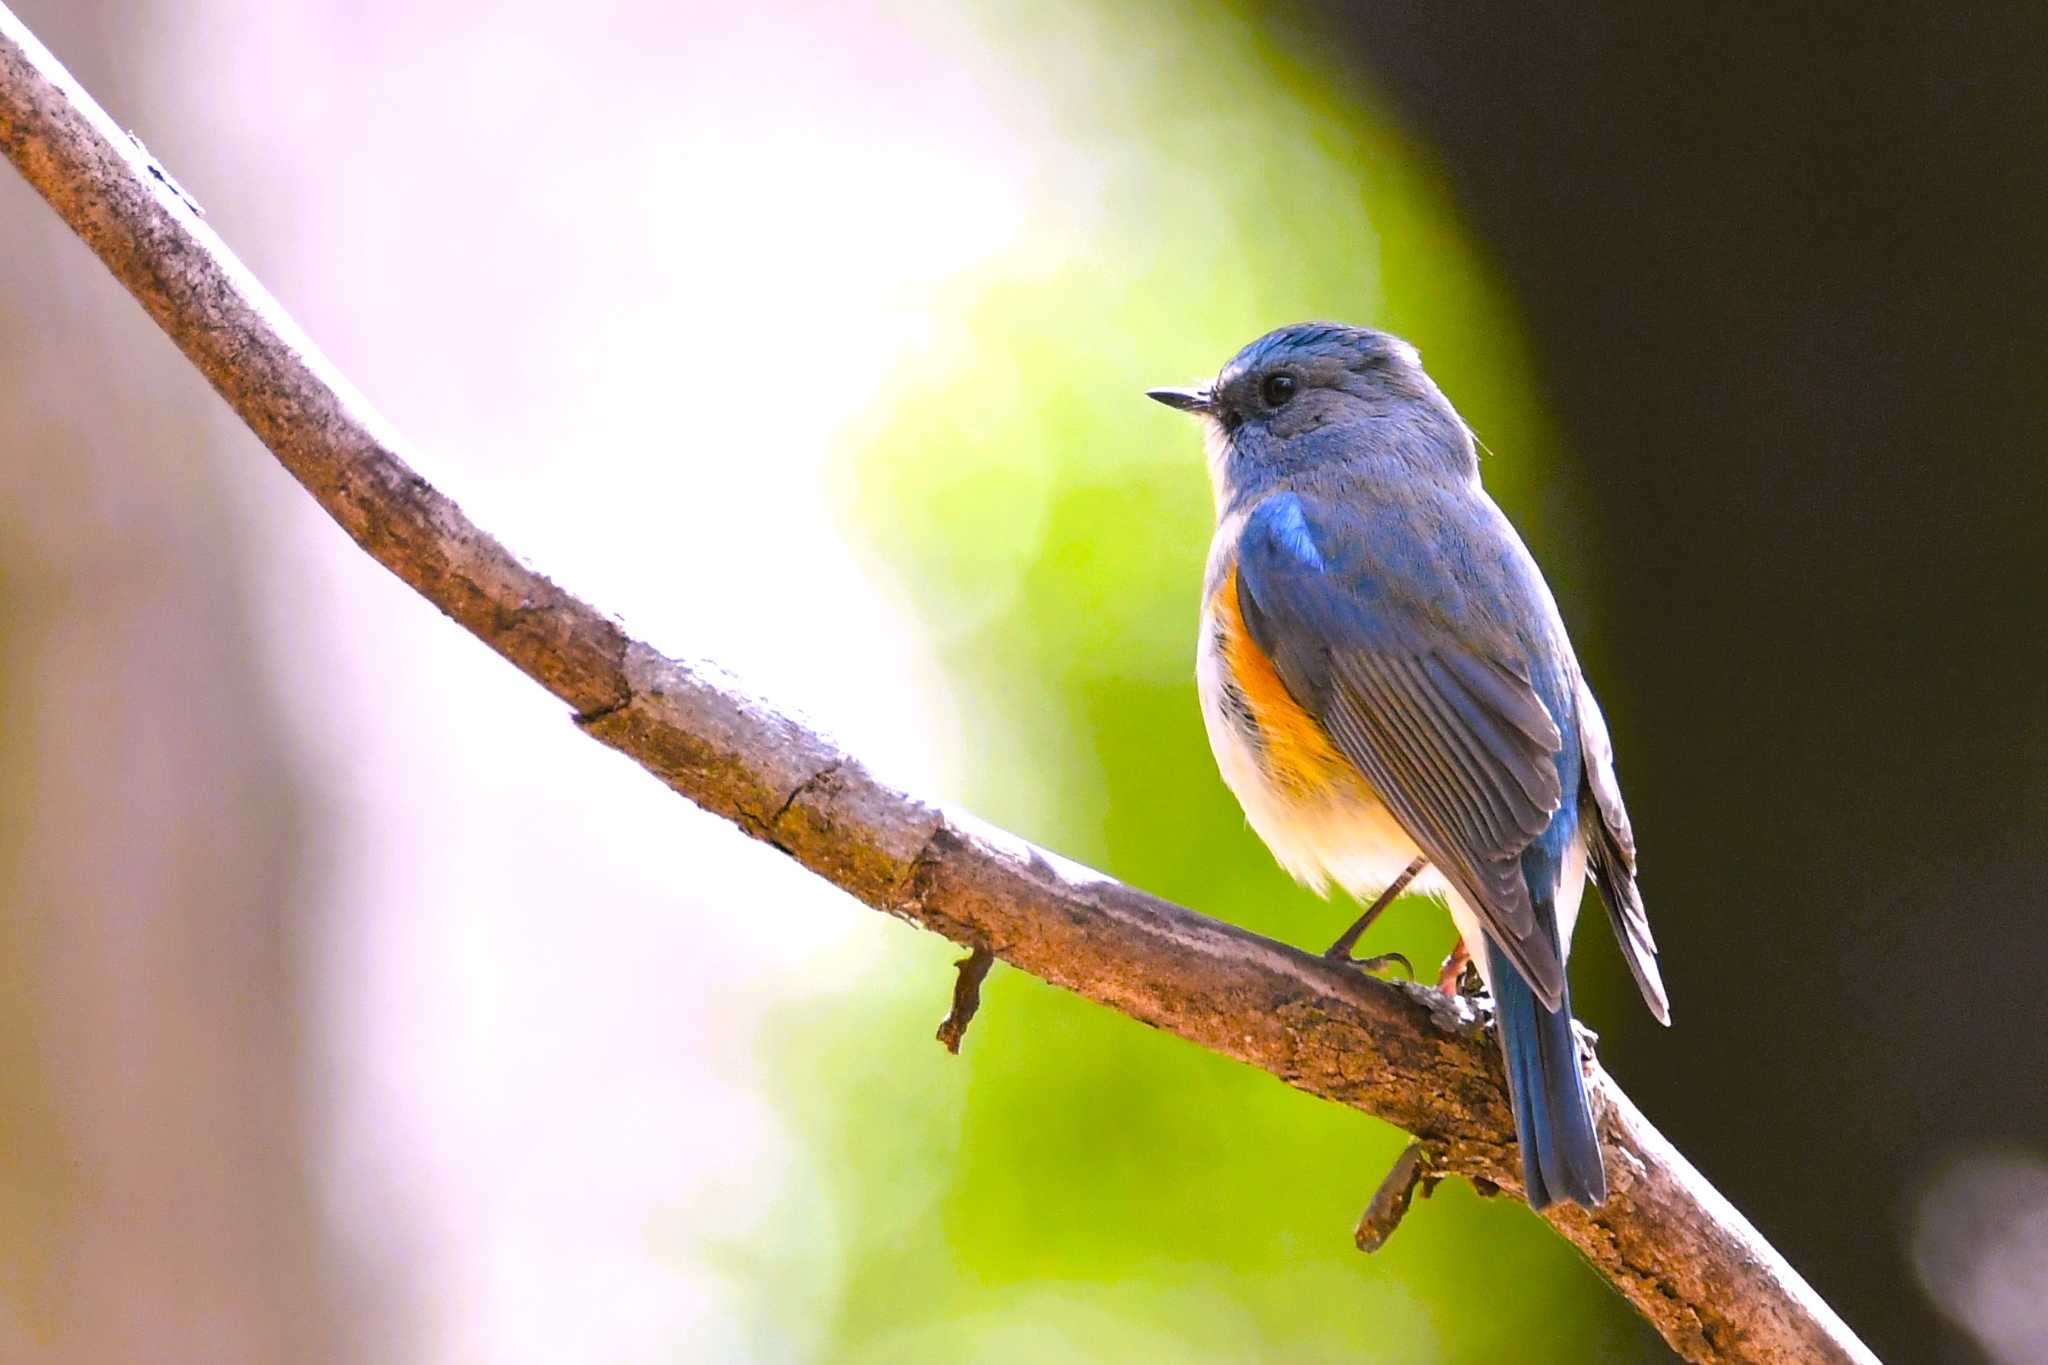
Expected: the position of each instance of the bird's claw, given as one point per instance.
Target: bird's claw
(1374, 964)
(1460, 975)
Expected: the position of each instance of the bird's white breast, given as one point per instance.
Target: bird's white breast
(1324, 836)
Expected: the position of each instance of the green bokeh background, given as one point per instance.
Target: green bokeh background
(1076, 1187)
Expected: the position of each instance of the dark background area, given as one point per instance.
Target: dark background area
(1783, 271)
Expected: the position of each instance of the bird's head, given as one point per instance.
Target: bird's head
(1319, 396)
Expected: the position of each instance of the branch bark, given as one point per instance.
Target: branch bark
(1690, 1263)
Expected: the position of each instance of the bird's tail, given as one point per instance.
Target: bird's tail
(1553, 1119)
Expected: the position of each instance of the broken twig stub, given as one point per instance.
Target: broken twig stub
(1415, 1166)
(973, 970)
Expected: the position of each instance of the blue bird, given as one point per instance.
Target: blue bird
(1391, 695)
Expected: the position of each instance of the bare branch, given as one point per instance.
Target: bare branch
(1665, 1238)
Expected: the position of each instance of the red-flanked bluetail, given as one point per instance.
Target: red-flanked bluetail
(1392, 697)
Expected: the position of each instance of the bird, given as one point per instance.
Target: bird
(1391, 695)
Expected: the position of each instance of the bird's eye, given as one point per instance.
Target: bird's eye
(1277, 389)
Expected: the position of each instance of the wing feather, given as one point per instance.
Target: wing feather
(1611, 849)
(1455, 741)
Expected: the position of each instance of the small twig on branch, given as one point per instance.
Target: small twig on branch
(1665, 1238)
(1416, 1166)
(973, 970)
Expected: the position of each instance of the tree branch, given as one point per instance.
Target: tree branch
(1680, 1253)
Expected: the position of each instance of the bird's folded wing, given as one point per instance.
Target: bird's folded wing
(1452, 737)
(1611, 853)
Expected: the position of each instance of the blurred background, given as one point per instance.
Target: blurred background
(353, 1007)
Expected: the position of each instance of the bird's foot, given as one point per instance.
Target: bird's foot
(1371, 964)
(1454, 967)
(1459, 976)
(1341, 950)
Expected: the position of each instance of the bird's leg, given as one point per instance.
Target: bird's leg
(1340, 951)
(1453, 968)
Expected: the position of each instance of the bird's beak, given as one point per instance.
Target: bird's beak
(1186, 400)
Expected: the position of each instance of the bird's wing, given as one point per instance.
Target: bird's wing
(1363, 623)
(1611, 853)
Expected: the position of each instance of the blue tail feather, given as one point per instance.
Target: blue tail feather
(1553, 1119)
